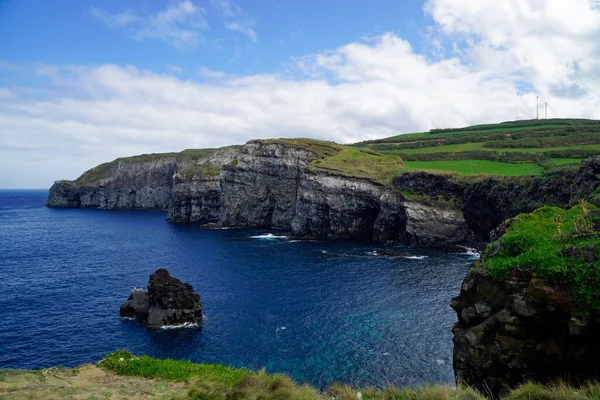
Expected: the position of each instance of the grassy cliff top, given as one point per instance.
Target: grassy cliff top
(515, 148)
(561, 246)
(104, 170)
(124, 376)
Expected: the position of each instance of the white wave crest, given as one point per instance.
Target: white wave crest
(373, 253)
(185, 325)
(269, 236)
(472, 253)
(415, 257)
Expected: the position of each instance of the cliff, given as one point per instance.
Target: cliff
(319, 189)
(531, 309)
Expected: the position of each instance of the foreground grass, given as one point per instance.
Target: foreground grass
(124, 376)
(550, 242)
(216, 382)
(124, 363)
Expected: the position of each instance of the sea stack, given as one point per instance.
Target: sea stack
(167, 301)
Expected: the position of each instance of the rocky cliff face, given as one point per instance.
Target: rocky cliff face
(520, 329)
(196, 192)
(118, 185)
(269, 184)
(486, 203)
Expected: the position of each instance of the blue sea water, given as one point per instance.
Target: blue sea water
(321, 311)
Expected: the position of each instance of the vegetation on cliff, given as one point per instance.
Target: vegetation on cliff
(558, 245)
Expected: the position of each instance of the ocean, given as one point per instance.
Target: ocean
(321, 311)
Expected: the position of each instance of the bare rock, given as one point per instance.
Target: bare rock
(520, 329)
(168, 301)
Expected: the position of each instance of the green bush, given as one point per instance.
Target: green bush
(539, 242)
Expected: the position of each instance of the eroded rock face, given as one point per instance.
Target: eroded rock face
(167, 301)
(520, 329)
(266, 184)
(488, 202)
(197, 198)
(145, 185)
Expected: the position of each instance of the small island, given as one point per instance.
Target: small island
(166, 302)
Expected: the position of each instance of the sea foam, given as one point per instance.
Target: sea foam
(185, 325)
(269, 236)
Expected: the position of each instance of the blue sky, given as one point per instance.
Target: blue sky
(67, 32)
(84, 82)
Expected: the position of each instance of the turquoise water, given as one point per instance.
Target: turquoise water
(321, 311)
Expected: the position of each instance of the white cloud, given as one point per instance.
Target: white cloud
(179, 24)
(554, 44)
(372, 88)
(236, 19)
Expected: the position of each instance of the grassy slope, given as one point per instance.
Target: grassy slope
(474, 167)
(123, 376)
(465, 151)
(540, 144)
(539, 242)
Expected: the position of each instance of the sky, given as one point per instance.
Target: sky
(85, 82)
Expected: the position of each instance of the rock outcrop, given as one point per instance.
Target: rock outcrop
(167, 301)
(520, 329)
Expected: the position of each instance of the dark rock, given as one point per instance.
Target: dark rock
(391, 253)
(136, 306)
(167, 301)
(520, 329)
(588, 253)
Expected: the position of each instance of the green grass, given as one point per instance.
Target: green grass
(475, 167)
(124, 363)
(539, 242)
(407, 137)
(456, 148)
(216, 382)
(322, 148)
(360, 163)
(563, 161)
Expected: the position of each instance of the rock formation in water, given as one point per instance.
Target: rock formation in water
(524, 327)
(167, 301)
(270, 184)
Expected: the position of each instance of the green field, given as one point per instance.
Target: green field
(457, 148)
(475, 167)
(512, 148)
(563, 161)
(426, 135)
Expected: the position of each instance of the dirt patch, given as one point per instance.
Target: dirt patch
(84, 382)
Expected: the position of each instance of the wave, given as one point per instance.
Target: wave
(269, 236)
(472, 253)
(376, 253)
(185, 325)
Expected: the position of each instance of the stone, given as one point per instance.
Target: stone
(535, 334)
(168, 301)
(136, 306)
